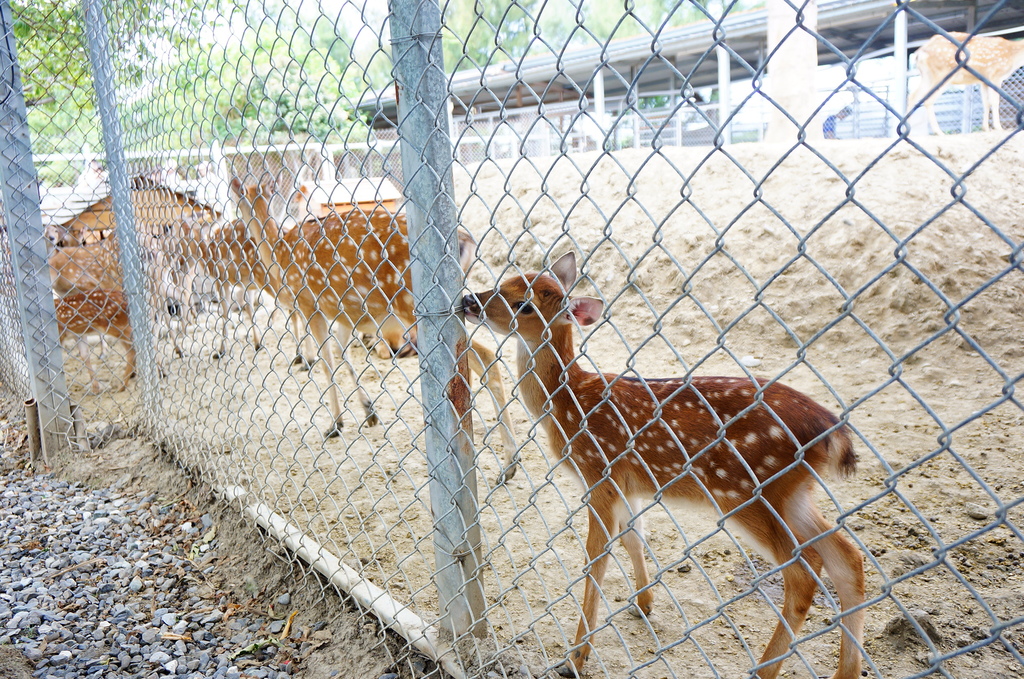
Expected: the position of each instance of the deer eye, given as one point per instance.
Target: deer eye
(524, 308)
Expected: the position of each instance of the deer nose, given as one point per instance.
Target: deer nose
(471, 305)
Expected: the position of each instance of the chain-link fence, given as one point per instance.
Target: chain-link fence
(275, 210)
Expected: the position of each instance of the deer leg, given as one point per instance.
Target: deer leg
(633, 540)
(371, 415)
(295, 318)
(775, 542)
(182, 293)
(185, 312)
(994, 101)
(483, 362)
(601, 526)
(250, 309)
(129, 362)
(845, 566)
(83, 354)
(224, 293)
(799, 586)
(984, 107)
(321, 334)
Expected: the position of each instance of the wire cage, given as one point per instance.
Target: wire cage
(712, 259)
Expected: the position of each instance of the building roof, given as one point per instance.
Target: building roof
(855, 28)
(62, 204)
(356, 190)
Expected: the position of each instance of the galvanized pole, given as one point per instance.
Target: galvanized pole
(124, 216)
(28, 251)
(438, 283)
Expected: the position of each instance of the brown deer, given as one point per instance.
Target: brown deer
(351, 270)
(84, 268)
(103, 312)
(750, 451)
(965, 60)
(81, 268)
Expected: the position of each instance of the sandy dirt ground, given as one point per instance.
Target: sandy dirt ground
(881, 281)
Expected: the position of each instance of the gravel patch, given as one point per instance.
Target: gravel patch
(100, 583)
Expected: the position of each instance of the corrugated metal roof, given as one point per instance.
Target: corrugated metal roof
(62, 204)
(852, 29)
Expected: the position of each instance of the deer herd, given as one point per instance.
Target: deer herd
(752, 450)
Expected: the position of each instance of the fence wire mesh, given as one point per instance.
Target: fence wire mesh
(734, 209)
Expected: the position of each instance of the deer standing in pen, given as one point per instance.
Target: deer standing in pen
(103, 312)
(97, 266)
(630, 440)
(965, 60)
(229, 257)
(351, 271)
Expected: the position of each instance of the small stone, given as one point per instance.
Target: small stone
(60, 659)
(135, 585)
(976, 511)
(284, 599)
(750, 361)
(159, 658)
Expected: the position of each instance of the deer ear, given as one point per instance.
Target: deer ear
(564, 269)
(586, 310)
(467, 249)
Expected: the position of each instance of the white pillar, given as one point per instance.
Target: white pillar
(724, 93)
(899, 95)
(636, 106)
(792, 65)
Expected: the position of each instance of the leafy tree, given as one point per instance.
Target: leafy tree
(480, 33)
(55, 75)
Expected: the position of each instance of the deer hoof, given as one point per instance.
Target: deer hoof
(567, 669)
(509, 473)
(639, 611)
(371, 419)
(301, 361)
(334, 432)
(407, 349)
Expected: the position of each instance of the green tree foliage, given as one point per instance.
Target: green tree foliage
(259, 73)
(55, 74)
(190, 72)
(484, 32)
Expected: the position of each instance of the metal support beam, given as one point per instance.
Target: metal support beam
(899, 92)
(24, 223)
(438, 282)
(97, 37)
(724, 93)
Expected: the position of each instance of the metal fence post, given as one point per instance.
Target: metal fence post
(28, 251)
(438, 282)
(124, 215)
